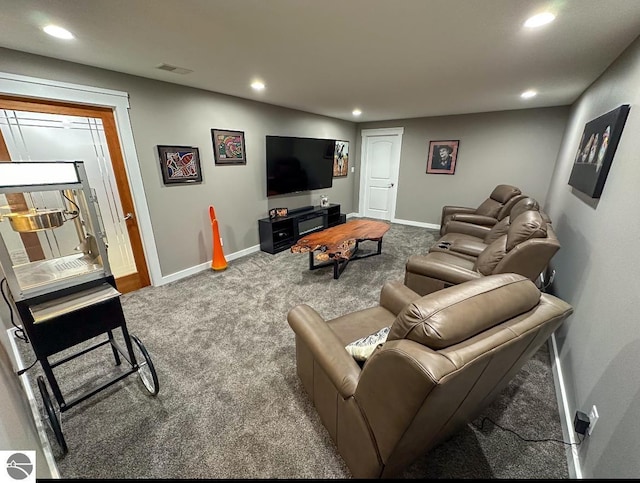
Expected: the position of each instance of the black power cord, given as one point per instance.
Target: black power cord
(22, 371)
(75, 213)
(20, 334)
(529, 440)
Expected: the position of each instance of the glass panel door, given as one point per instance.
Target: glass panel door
(32, 136)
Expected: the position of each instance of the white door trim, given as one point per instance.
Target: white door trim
(365, 133)
(24, 86)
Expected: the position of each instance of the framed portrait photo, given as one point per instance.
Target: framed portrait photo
(228, 147)
(442, 157)
(341, 159)
(180, 164)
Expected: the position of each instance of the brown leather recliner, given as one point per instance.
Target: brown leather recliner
(526, 249)
(446, 357)
(481, 231)
(464, 244)
(490, 211)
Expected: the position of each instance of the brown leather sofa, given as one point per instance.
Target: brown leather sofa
(490, 211)
(461, 239)
(446, 357)
(525, 249)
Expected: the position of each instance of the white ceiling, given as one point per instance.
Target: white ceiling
(393, 59)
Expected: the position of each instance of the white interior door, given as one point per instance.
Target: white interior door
(380, 165)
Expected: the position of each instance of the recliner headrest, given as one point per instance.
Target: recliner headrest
(502, 227)
(504, 192)
(523, 205)
(454, 314)
(527, 225)
(506, 208)
(494, 206)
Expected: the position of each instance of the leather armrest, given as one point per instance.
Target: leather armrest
(327, 350)
(434, 268)
(473, 218)
(450, 210)
(479, 231)
(468, 247)
(395, 296)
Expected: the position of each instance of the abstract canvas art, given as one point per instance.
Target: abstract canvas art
(228, 147)
(180, 164)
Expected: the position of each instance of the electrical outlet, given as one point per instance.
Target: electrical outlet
(593, 419)
(581, 423)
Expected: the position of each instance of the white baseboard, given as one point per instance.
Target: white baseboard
(420, 224)
(566, 414)
(187, 272)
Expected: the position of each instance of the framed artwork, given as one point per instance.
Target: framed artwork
(278, 212)
(595, 151)
(442, 157)
(228, 147)
(180, 164)
(341, 159)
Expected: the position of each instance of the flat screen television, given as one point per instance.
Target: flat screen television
(298, 164)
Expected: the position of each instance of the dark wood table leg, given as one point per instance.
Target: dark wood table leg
(339, 264)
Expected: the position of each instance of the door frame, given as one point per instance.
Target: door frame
(118, 101)
(367, 133)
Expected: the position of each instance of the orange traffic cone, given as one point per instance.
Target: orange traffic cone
(218, 262)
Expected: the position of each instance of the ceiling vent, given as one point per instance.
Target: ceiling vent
(174, 69)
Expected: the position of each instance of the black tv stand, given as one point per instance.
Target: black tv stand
(299, 210)
(281, 233)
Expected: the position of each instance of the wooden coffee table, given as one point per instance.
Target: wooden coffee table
(339, 244)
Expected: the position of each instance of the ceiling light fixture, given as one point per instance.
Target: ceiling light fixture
(539, 20)
(528, 94)
(257, 86)
(58, 32)
(356, 112)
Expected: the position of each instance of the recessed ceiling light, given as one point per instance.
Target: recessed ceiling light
(539, 20)
(356, 112)
(528, 94)
(257, 85)
(58, 32)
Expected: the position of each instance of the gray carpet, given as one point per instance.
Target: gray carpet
(230, 403)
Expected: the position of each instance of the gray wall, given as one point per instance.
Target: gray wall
(597, 272)
(165, 113)
(509, 147)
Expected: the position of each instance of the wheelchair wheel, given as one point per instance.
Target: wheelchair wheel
(146, 371)
(51, 413)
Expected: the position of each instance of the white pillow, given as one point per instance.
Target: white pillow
(362, 348)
